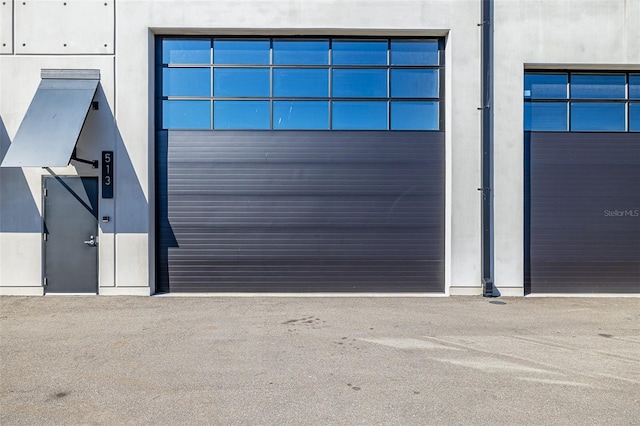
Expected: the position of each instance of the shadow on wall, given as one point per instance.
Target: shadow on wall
(132, 206)
(164, 230)
(129, 205)
(18, 209)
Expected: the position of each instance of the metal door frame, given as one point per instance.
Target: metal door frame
(42, 227)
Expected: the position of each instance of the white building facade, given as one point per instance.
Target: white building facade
(342, 216)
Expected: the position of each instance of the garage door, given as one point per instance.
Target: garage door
(582, 232)
(267, 211)
(584, 213)
(300, 165)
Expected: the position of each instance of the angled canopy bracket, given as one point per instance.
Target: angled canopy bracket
(50, 129)
(94, 163)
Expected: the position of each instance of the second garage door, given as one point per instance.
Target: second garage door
(583, 216)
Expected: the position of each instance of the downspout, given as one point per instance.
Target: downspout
(487, 148)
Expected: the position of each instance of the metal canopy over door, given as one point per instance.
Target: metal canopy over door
(583, 215)
(300, 211)
(50, 129)
(70, 231)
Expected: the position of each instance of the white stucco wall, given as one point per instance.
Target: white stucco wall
(120, 44)
(51, 35)
(561, 34)
(20, 189)
(117, 38)
(138, 21)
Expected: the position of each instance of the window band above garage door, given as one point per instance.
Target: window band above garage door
(300, 83)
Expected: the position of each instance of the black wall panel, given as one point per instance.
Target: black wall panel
(583, 212)
(266, 211)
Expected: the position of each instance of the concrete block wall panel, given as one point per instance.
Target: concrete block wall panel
(578, 34)
(64, 27)
(138, 21)
(21, 259)
(106, 268)
(463, 130)
(132, 262)
(20, 189)
(6, 27)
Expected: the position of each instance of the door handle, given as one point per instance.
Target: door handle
(91, 242)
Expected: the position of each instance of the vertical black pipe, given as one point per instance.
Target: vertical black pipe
(487, 148)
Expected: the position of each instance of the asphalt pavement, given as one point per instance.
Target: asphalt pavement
(319, 361)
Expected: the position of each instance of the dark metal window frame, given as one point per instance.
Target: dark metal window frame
(568, 100)
(329, 66)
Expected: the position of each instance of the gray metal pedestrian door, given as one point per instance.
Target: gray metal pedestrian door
(70, 234)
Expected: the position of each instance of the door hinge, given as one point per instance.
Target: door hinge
(44, 236)
(45, 192)
(45, 281)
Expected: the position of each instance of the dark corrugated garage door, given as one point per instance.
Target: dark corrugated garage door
(583, 212)
(312, 211)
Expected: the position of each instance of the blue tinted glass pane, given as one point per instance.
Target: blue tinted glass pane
(186, 82)
(634, 117)
(301, 115)
(634, 86)
(347, 52)
(186, 51)
(241, 82)
(241, 52)
(597, 116)
(414, 52)
(598, 86)
(414, 116)
(301, 52)
(348, 83)
(300, 82)
(241, 115)
(548, 116)
(545, 86)
(186, 114)
(414, 83)
(350, 115)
